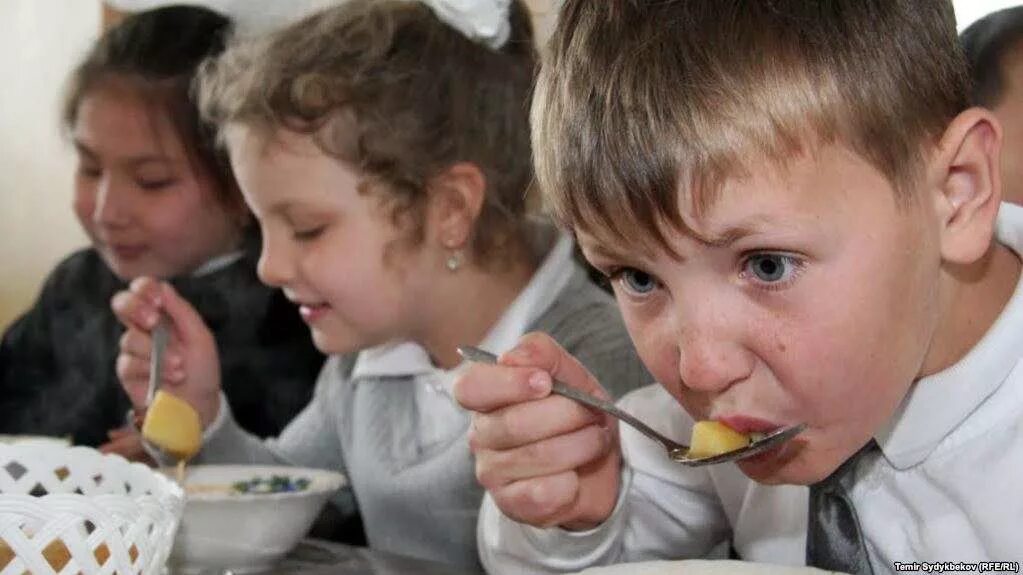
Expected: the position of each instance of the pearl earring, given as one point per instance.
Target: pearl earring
(454, 261)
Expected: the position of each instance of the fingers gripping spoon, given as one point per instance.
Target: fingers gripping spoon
(677, 452)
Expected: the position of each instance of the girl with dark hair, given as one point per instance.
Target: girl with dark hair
(155, 199)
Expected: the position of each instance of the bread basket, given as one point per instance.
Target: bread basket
(74, 510)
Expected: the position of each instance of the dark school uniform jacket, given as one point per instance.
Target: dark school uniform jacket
(57, 362)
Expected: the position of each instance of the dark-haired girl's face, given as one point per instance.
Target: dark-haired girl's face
(145, 204)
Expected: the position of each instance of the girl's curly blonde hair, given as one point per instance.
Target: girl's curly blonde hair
(388, 88)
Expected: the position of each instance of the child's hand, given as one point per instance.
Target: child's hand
(126, 442)
(191, 368)
(545, 459)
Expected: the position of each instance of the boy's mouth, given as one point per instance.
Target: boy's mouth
(748, 425)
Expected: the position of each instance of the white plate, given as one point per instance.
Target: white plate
(701, 567)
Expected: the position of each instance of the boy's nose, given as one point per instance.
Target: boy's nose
(712, 355)
(713, 366)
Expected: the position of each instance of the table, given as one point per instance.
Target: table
(318, 557)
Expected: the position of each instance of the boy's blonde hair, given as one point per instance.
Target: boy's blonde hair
(646, 107)
(389, 89)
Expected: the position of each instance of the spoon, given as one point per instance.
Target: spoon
(155, 370)
(156, 359)
(677, 452)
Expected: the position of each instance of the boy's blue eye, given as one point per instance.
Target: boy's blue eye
(770, 268)
(637, 281)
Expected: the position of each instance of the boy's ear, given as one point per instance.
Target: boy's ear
(456, 199)
(968, 184)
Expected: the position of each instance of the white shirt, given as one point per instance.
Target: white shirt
(218, 263)
(945, 486)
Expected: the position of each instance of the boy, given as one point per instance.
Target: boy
(795, 204)
(994, 51)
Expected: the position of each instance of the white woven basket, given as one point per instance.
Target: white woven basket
(74, 510)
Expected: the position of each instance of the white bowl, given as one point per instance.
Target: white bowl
(77, 510)
(246, 532)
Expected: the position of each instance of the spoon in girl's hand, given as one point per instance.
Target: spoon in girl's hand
(159, 335)
(171, 426)
(156, 359)
(678, 452)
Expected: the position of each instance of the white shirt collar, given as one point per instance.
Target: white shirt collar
(401, 359)
(218, 263)
(936, 405)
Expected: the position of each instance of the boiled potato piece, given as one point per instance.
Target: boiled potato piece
(173, 425)
(712, 438)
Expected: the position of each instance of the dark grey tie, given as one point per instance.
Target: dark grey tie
(833, 538)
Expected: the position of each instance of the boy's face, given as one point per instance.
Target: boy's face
(329, 246)
(815, 302)
(145, 205)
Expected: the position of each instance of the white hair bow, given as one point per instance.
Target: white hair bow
(483, 21)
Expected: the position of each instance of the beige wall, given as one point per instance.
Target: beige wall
(42, 40)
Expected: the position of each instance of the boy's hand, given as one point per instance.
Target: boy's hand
(545, 459)
(191, 368)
